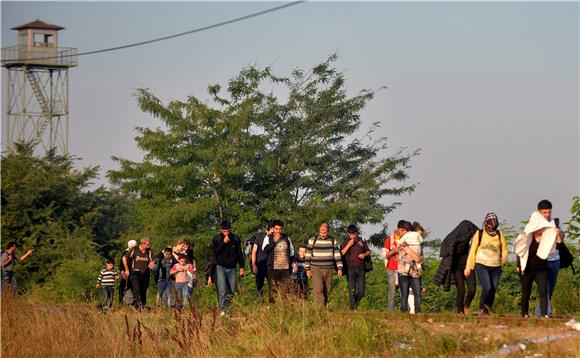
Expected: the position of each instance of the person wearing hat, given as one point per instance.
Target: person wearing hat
(487, 253)
(124, 284)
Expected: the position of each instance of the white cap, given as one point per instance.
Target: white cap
(131, 244)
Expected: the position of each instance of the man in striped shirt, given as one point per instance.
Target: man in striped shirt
(106, 280)
(322, 256)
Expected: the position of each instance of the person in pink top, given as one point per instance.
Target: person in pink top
(179, 270)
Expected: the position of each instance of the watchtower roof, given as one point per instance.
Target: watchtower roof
(40, 25)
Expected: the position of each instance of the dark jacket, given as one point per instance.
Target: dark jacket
(210, 270)
(453, 248)
(162, 268)
(261, 256)
(350, 259)
(230, 254)
(269, 250)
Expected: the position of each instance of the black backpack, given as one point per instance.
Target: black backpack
(566, 257)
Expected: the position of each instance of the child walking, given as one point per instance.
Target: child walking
(106, 280)
(180, 270)
(299, 278)
(162, 269)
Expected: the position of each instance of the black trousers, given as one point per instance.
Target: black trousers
(123, 285)
(356, 286)
(261, 277)
(461, 300)
(541, 279)
(139, 284)
(278, 281)
(300, 289)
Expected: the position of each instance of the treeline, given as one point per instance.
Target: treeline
(248, 156)
(264, 147)
(47, 206)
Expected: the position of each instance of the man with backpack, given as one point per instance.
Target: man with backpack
(259, 259)
(124, 283)
(9, 258)
(280, 251)
(355, 250)
(141, 261)
(554, 262)
(322, 256)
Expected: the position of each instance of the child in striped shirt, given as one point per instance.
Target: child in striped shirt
(299, 278)
(106, 280)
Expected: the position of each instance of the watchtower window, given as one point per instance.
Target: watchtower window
(23, 38)
(43, 40)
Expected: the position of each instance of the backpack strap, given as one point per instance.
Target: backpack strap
(499, 236)
(480, 235)
(314, 244)
(131, 253)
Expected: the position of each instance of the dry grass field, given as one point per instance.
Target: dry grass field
(289, 329)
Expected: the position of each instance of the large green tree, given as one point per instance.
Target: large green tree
(265, 147)
(47, 206)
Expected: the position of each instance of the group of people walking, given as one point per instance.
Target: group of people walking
(174, 270)
(468, 254)
(273, 259)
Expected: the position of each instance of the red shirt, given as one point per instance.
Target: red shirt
(393, 263)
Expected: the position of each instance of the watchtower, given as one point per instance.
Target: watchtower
(37, 103)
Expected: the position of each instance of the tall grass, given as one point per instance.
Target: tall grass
(283, 329)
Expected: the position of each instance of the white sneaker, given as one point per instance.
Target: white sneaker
(222, 313)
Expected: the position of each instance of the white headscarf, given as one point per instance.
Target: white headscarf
(131, 244)
(547, 242)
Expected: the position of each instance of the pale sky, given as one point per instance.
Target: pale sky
(489, 91)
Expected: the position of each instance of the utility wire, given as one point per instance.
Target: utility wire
(237, 19)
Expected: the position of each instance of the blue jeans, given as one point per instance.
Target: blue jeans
(183, 293)
(225, 285)
(553, 270)
(108, 292)
(165, 292)
(415, 283)
(9, 282)
(392, 283)
(356, 286)
(488, 280)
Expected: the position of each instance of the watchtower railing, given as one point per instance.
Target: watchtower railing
(39, 56)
